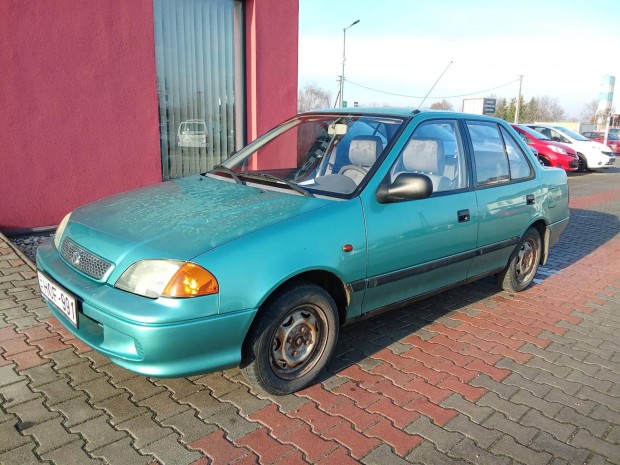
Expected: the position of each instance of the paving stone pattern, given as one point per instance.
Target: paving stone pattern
(474, 376)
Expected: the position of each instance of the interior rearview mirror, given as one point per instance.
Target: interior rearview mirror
(337, 129)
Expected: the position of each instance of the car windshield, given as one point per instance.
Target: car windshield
(571, 134)
(193, 127)
(535, 134)
(611, 136)
(329, 154)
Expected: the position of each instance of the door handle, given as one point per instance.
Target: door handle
(463, 216)
(530, 199)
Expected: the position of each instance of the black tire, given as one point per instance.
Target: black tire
(544, 162)
(583, 164)
(523, 263)
(291, 340)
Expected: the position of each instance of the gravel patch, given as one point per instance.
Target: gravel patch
(28, 243)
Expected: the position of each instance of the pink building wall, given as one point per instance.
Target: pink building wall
(79, 116)
(78, 99)
(272, 30)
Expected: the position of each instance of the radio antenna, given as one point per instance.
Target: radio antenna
(429, 92)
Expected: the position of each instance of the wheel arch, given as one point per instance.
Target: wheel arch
(332, 284)
(545, 159)
(542, 227)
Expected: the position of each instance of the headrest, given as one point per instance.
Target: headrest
(424, 155)
(364, 150)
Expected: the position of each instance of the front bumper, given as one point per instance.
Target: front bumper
(601, 161)
(137, 333)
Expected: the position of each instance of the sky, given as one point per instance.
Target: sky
(563, 48)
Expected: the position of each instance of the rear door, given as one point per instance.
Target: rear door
(507, 191)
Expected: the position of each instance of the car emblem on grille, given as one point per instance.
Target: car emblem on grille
(76, 257)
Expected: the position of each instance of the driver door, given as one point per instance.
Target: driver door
(418, 246)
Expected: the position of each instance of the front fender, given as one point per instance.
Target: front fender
(251, 268)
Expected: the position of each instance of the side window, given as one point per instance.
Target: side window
(436, 150)
(489, 154)
(517, 160)
(558, 137)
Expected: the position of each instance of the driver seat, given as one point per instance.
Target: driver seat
(363, 152)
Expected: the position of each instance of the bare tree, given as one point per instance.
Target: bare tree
(549, 109)
(589, 111)
(442, 105)
(540, 108)
(312, 97)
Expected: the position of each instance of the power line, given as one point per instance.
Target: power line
(434, 96)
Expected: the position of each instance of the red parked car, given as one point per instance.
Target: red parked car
(550, 153)
(613, 139)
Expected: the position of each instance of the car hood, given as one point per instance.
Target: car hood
(180, 219)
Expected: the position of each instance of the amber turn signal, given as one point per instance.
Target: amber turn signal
(191, 280)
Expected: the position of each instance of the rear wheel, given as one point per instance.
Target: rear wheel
(523, 263)
(292, 339)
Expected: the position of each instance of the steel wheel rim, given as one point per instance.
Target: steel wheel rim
(298, 341)
(527, 259)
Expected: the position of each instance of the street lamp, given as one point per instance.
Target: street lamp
(344, 45)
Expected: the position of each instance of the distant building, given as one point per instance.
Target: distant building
(605, 99)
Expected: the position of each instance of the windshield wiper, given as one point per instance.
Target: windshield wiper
(226, 170)
(292, 185)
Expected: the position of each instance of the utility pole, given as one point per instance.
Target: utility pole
(344, 57)
(518, 99)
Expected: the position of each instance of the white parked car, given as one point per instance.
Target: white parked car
(192, 133)
(592, 155)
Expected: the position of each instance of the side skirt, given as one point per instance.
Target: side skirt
(406, 302)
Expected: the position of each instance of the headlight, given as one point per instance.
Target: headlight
(60, 230)
(168, 278)
(557, 149)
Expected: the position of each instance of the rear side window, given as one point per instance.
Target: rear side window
(498, 156)
(489, 154)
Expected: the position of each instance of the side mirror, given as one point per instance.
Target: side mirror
(406, 186)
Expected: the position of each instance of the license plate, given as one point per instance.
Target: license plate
(61, 299)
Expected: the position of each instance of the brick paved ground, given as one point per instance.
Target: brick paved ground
(470, 376)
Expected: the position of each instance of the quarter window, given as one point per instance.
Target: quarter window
(517, 160)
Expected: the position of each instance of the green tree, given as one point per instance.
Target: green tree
(500, 108)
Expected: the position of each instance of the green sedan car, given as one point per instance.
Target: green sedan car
(329, 218)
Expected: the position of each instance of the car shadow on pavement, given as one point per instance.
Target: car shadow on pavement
(587, 231)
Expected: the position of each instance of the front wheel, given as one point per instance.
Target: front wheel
(583, 163)
(292, 339)
(523, 263)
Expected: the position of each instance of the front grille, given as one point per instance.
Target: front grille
(83, 260)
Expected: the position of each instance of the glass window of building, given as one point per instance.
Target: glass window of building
(198, 54)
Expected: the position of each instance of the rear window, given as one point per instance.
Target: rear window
(193, 127)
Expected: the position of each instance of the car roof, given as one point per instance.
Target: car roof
(398, 111)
